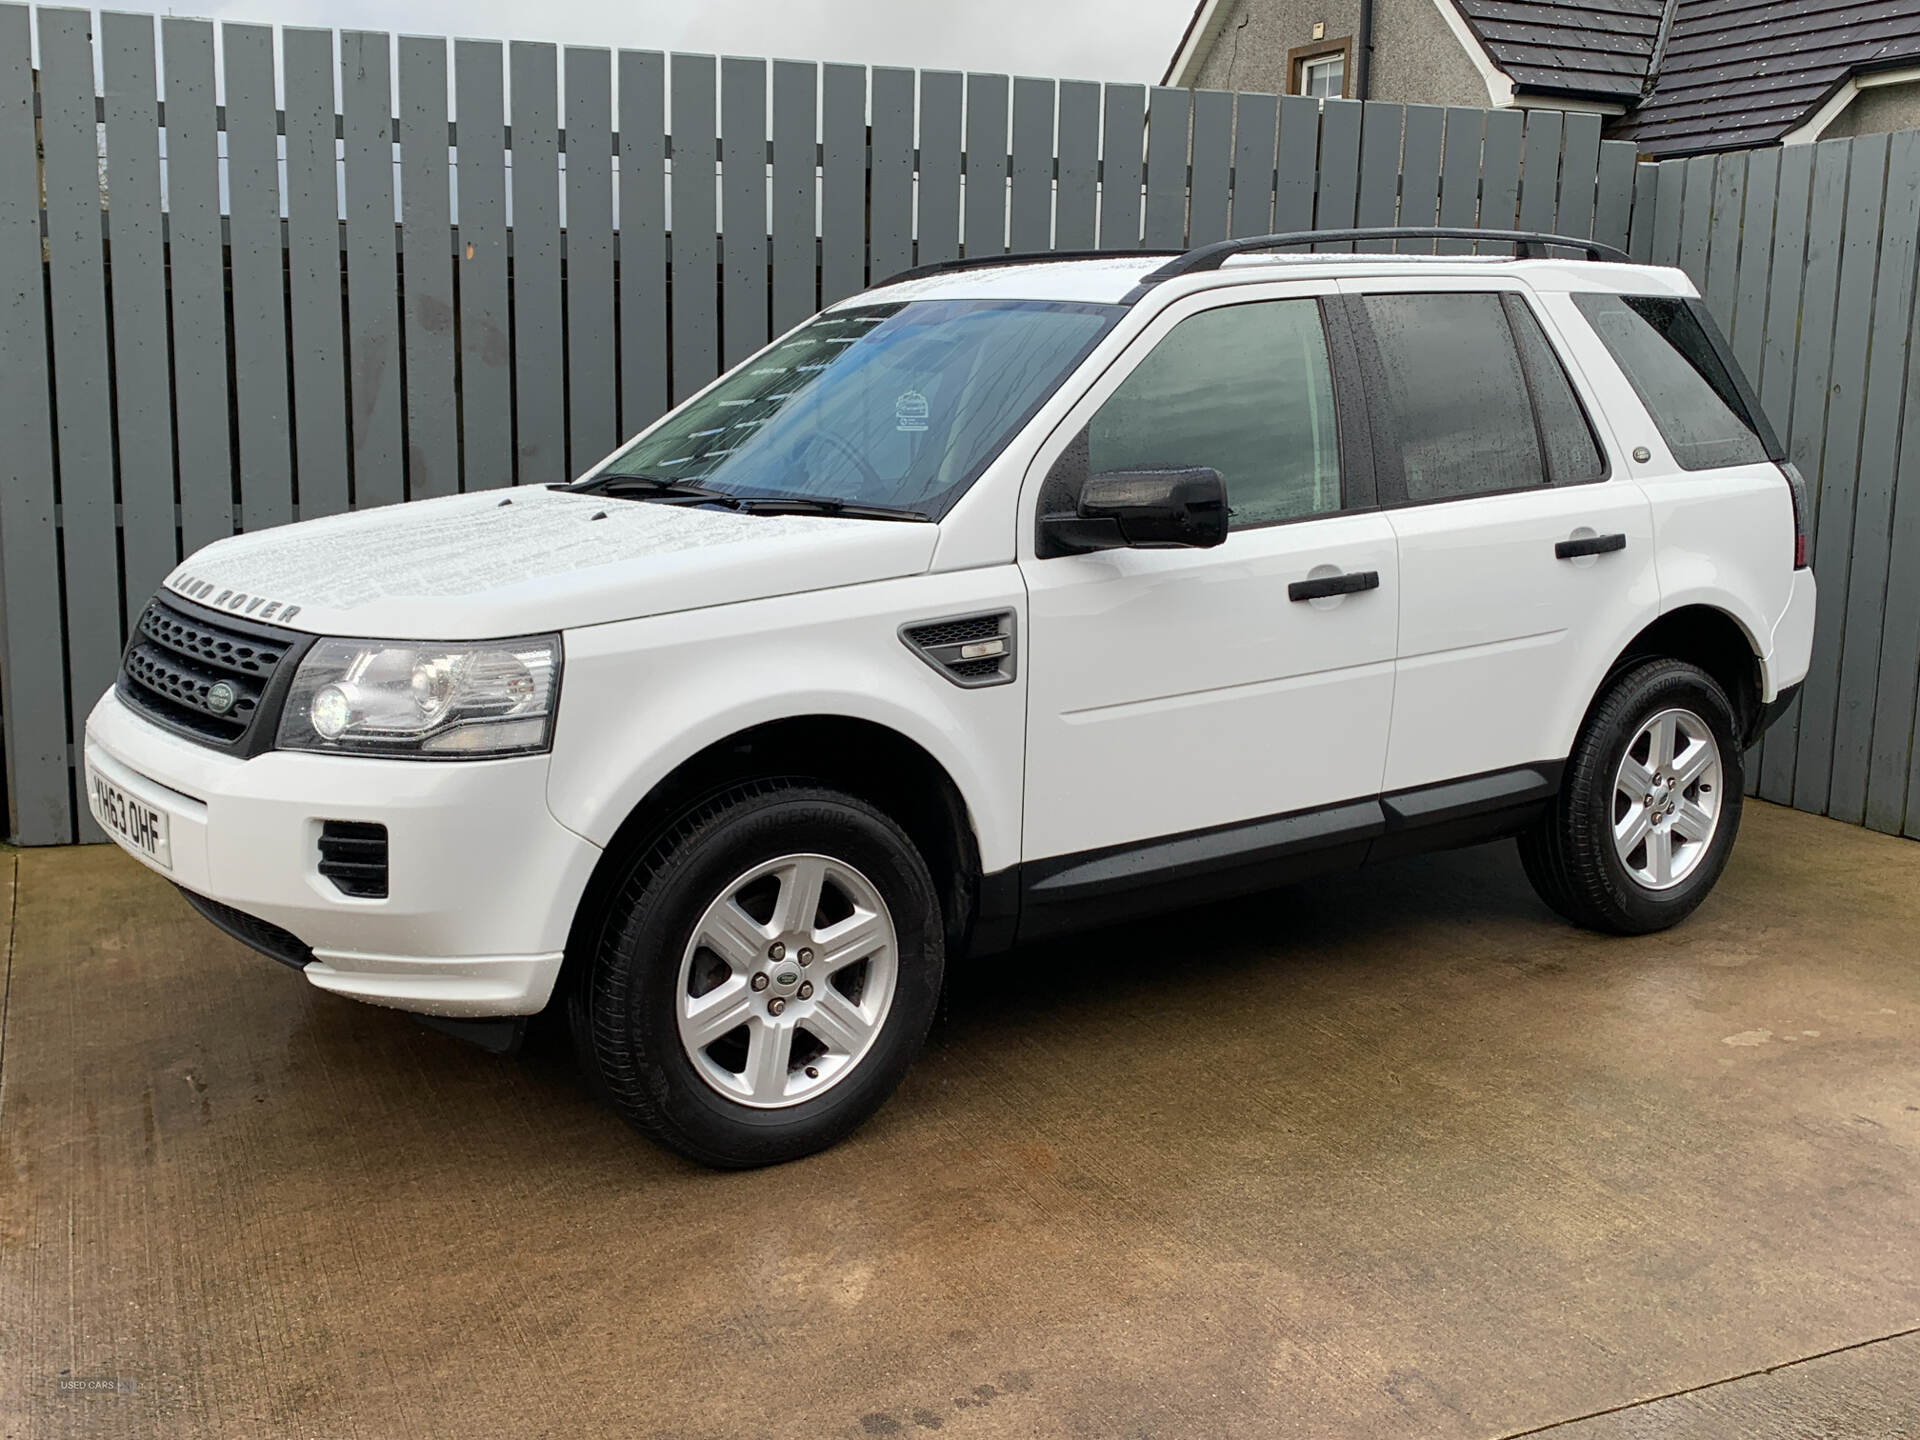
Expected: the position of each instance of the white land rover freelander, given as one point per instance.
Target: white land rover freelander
(1004, 598)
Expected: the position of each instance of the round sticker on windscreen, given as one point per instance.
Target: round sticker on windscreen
(910, 411)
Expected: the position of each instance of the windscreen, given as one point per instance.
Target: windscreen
(900, 406)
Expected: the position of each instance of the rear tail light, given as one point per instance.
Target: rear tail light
(1802, 515)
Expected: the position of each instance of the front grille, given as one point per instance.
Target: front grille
(353, 855)
(211, 679)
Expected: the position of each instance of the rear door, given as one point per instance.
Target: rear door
(1526, 556)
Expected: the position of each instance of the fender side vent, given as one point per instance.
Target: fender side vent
(972, 651)
(353, 855)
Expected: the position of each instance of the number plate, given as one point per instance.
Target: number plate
(137, 826)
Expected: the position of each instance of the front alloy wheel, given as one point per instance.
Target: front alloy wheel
(764, 977)
(787, 980)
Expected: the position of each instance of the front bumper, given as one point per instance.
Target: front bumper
(482, 884)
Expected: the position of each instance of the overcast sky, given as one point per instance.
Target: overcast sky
(1071, 39)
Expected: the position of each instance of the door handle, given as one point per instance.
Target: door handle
(1588, 545)
(1347, 584)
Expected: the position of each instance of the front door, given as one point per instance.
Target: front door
(1175, 691)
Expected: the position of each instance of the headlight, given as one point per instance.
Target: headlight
(426, 701)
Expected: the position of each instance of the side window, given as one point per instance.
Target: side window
(1669, 359)
(1573, 455)
(1246, 389)
(1450, 396)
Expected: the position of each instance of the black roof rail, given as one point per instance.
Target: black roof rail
(1017, 257)
(1527, 244)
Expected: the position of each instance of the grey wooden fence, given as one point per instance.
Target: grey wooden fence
(225, 304)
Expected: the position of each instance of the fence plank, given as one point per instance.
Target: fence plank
(1381, 125)
(486, 348)
(1839, 470)
(1756, 223)
(1030, 220)
(1077, 197)
(142, 362)
(260, 373)
(986, 185)
(540, 422)
(1723, 236)
(796, 280)
(1212, 156)
(1540, 171)
(317, 339)
(80, 377)
(890, 246)
(1806, 347)
(1670, 193)
(1500, 169)
(593, 426)
(1613, 193)
(843, 182)
(1256, 135)
(373, 320)
(1696, 219)
(1420, 171)
(198, 285)
(432, 409)
(1460, 176)
(1122, 137)
(1896, 718)
(1169, 115)
(1579, 174)
(743, 204)
(1873, 494)
(1337, 193)
(39, 787)
(940, 142)
(1646, 189)
(643, 239)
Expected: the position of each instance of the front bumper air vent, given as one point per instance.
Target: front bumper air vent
(353, 855)
(972, 651)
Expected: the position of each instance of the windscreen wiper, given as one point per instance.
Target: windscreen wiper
(827, 505)
(660, 486)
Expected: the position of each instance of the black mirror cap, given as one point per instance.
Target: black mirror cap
(1142, 510)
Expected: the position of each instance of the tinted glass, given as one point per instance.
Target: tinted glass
(1573, 455)
(1245, 389)
(1455, 400)
(895, 405)
(1671, 364)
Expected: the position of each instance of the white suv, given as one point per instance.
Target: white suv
(1002, 599)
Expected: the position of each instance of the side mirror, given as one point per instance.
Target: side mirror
(1142, 510)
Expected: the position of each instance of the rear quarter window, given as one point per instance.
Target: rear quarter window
(1674, 366)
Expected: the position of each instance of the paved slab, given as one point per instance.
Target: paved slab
(1392, 1155)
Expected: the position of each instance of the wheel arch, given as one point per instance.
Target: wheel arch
(1713, 639)
(873, 761)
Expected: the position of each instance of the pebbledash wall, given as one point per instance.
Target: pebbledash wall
(241, 285)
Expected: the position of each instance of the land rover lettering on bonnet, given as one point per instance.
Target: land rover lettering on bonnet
(1006, 598)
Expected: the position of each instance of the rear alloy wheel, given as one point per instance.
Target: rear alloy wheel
(1648, 807)
(765, 976)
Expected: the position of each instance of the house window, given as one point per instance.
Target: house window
(1320, 70)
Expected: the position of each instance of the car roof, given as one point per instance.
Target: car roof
(1118, 279)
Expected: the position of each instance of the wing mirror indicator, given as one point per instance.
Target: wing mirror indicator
(1142, 510)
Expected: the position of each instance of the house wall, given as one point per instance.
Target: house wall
(1878, 111)
(1416, 59)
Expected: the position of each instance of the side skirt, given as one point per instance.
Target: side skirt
(1063, 893)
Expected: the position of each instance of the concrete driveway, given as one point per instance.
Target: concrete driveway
(1394, 1155)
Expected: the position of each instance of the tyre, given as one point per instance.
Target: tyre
(765, 976)
(1648, 806)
